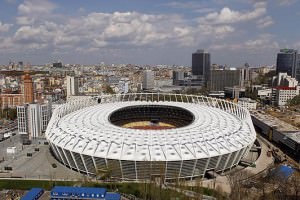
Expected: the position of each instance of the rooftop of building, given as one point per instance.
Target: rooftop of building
(281, 126)
(285, 88)
(247, 100)
(84, 192)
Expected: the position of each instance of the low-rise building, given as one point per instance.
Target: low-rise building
(11, 100)
(235, 92)
(264, 93)
(248, 103)
(82, 193)
(282, 94)
(284, 88)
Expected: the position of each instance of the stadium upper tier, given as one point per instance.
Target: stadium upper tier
(87, 135)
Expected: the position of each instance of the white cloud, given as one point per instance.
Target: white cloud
(265, 22)
(118, 30)
(286, 2)
(11, 1)
(31, 12)
(5, 27)
(82, 10)
(184, 5)
(33, 35)
(204, 10)
(136, 29)
(110, 30)
(96, 30)
(24, 20)
(260, 44)
(36, 7)
(194, 6)
(296, 45)
(6, 43)
(219, 31)
(39, 29)
(265, 41)
(228, 16)
(222, 46)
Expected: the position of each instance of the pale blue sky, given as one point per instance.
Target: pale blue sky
(147, 32)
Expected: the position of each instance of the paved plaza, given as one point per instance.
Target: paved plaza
(38, 166)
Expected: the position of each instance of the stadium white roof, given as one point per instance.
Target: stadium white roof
(213, 132)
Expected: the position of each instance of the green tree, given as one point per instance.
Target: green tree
(108, 89)
(9, 113)
(294, 101)
(264, 78)
(251, 93)
(203, 91)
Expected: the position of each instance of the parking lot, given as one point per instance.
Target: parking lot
(37, 166)
(13, 141)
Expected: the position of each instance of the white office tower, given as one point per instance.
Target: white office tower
(46, 113)
(72, 86)
(123, 86)
(33, 119)
(148, 80)
(22, 119)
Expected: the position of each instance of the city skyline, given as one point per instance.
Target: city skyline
(140, 32)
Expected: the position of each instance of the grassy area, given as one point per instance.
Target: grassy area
(206, 191)
(143, 190)
(27, 184)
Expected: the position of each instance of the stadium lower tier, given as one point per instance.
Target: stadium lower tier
(143, 170)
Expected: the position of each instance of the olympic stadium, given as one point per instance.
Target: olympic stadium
(139, 136)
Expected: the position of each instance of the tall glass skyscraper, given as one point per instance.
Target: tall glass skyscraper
(298, 69)
(201, 64)
(288, 62)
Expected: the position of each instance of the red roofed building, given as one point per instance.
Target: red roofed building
(284, 88)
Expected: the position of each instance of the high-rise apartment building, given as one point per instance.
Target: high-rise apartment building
(148, 80)
(72, 86)
(33, 118)
(28, 89)
(288, 62)
(297, 71)
(201, 65)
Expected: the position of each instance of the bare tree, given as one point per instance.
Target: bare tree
(294, 181)
(236, 181)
